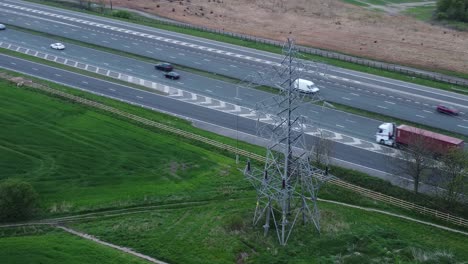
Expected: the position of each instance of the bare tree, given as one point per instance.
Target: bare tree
(322, 150)
(102, 5)
(82, 3)
(453, 183)
(416, 160)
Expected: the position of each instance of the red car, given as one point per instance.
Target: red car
(444, 109)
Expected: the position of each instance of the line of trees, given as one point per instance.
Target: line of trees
(452, 10)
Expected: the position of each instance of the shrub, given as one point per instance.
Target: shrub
(122, 14)
(18, 201)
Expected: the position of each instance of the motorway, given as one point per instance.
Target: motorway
(394, 98)
(352, 125)
(350, 154)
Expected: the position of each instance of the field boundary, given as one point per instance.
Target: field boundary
(333, 180)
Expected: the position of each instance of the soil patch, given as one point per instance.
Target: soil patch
(327, 24)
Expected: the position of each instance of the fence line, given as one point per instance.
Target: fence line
(338, 182)
(333, 55)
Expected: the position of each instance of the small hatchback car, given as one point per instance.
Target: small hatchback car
(172, 75)
(449, 110)
(57, 46)
(2, 27)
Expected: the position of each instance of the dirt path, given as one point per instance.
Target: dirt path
(107, 244)
(397, 8)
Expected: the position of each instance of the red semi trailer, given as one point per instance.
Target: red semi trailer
(390, 134)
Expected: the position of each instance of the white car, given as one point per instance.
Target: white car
(2, 27)
(57, 46)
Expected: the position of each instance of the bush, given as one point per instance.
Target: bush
(442, 16)
(453, 10)
(18, 201)
(122, 14)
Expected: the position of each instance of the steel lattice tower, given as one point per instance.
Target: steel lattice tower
(287, 186)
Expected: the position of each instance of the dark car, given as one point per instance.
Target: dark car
(449, 110)
(167, 67)
(172, 75)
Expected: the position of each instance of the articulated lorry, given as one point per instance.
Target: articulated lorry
(391, 135)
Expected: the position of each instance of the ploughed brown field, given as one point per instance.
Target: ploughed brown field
(327, 24)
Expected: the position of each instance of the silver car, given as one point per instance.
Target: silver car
(2, 27)
(57, 46)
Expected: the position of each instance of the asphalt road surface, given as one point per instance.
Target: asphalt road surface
(394, 98)
(357, 158)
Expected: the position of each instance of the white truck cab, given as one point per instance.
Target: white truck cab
(305, 86)
(386, 134)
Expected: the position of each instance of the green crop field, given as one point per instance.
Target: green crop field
(81, 159)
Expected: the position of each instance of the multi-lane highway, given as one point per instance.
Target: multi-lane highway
(338, 121)
(372, 161)
(192, 96)
(394, 98)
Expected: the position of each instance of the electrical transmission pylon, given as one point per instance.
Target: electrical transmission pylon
(288, 184)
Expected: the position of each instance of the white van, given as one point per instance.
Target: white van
(305, 86)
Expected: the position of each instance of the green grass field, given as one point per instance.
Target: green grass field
(79, 159)
(423, 13)
(56, 247)
(221, 232)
